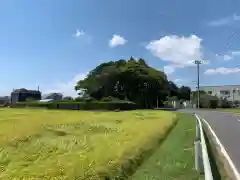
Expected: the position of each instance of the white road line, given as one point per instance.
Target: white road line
(224, 152)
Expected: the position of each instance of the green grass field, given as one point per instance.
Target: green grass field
(174, 159)
(67, 145)
(233, 110)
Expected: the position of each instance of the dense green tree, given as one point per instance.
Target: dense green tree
(194, 94)
(173, 89)
(131, 80)
(184, 93)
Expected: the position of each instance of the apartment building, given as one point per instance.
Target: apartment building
(231, 92)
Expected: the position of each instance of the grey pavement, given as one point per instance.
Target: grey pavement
(227, 128)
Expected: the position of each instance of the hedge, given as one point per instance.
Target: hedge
(73, 105)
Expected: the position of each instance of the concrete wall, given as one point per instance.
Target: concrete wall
(223, 91)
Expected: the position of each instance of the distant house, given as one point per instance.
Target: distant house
(21, 95)
(53, 97)
(4, 100)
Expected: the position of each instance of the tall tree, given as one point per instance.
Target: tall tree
(184, 93)
(173, 89)
(127, 79)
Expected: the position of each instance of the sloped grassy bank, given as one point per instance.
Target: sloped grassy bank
(174, 158)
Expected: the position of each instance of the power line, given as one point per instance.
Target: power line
(230, 37)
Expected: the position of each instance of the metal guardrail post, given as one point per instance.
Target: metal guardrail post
(198, 156)
(198, 150)
(198, 135)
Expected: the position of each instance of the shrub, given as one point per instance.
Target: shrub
(79, 99)
(207, 101)
(109, 98)
(224, 103)
(68, 98)
(236, 103)
(73, 105)
(213, 103)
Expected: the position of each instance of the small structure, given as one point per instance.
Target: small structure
(21, 95)
(53, 97)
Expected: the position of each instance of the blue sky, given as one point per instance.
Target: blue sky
(54, 43)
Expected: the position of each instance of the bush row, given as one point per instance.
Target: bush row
(73, 105)
(215, 103)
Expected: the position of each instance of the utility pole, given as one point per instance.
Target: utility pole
(233, 91)
(198, 62)
(157, 101)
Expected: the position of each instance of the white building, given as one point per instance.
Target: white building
(231, 92)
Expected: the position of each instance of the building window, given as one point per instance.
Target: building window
(225, 92)
(210, 92)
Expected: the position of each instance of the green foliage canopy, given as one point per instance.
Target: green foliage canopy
(131, 80)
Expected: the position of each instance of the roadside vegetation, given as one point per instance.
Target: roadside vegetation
(232, 110)
(174, 159)
(44, 144)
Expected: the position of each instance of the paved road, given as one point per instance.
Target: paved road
(227, 128)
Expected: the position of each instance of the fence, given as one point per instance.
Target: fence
(202, 162)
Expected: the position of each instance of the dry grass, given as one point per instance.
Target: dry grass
(44, 144)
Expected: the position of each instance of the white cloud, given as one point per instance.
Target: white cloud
(117, 40)
(168, 69)
(83, 36)
(222, 70)
(177, 80)
(224, 21)
(229, 56)
(67, 88)
(180, 51)
(236, 53)
(79, 33)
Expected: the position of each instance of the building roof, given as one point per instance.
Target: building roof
(23, 90)
(20, 90)
(45, 100)
(233, 85)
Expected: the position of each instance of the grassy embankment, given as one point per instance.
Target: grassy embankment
(174, 159)
(232, 110)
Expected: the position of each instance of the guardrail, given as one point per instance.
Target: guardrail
(202, 162)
